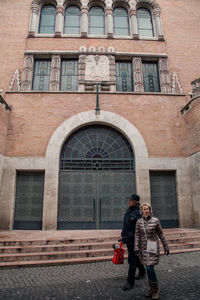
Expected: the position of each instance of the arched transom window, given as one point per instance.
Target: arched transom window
(145, 24)
(96, 20)
(72, 20)
(121, 21)
(47, 19)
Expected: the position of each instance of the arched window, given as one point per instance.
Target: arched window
(47, 19)
(96, 20)
(121, 21)
(145, 24)
(72, 20)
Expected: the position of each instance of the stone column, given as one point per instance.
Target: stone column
(55, 73)
(158, 24)
(84, 22)
(35, 9)
(138, 75)
(134, 24)
(27, 73)
(109, 20)
(59, 21)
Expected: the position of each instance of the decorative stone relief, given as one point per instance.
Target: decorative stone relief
(164, 76)
(138, 74)
(176, 86)
(81, 67)
(111, 49)
(15, 82)
(112, 68)
(27, 73)
(55, 73)
(83, 49)
(97, 68)
(196, 87)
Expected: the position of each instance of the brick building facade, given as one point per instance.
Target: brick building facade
(96, 103)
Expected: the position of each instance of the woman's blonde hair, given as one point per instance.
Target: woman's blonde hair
(146, 204)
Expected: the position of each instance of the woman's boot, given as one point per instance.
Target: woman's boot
(155, 293)
(150, 291)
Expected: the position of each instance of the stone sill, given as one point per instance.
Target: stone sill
(94, 92)
(115, 37)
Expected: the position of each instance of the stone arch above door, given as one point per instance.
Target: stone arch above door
(55, 145)
(114, 120)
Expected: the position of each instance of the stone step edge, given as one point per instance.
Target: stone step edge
(174, 233)
(82, 251)
(170, 241)
(76, 260)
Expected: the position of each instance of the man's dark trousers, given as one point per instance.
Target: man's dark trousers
(133, 261)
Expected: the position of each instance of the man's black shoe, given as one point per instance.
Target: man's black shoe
(140, 276)
(127, 287)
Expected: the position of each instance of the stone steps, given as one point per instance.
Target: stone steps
(78, 247)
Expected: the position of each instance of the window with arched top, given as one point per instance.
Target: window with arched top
(145, 23)
(72, 20)
(121, 21)
(96, 20)
(47, 19)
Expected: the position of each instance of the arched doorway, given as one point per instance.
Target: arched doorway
(97, 174)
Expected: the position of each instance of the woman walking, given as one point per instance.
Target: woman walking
(148, 229)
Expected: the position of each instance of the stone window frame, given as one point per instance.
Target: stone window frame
(153, 7)
(36, 8)
(90, 85)
(108, 7)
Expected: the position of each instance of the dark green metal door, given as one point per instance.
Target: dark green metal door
(96, 177)
(29, 200)
(163, 198)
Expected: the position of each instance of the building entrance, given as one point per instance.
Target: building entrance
(97, 175)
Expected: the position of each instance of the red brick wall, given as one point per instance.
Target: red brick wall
(35, 117)
(192, 122)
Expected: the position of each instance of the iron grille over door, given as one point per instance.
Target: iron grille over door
(96, 177)
(29, 200)
(163, 198)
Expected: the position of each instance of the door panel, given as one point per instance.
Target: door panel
(163, 198)
(29, 200)
(114, 187)
(77, 194)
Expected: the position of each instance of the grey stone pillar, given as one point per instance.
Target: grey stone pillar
(109, 20)
(35, 9)
(84, 22)
(134, 24)
(59, 20)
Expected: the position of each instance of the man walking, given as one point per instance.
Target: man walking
(128, 231)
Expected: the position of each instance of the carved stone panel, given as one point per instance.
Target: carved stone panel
(55, 73)
(138, 74)
(164, 76)
(27, 73)
(97, 68)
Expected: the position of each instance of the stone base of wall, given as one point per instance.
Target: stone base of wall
(195, 182)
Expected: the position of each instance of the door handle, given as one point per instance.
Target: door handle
(94, 210)
(100, 209)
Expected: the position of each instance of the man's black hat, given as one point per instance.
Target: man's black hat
(135, 197)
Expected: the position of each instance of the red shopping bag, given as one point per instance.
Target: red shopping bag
(118, 257)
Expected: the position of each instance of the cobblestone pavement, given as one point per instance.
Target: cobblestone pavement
(178, 274)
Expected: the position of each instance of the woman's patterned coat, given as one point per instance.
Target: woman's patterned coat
(153, 231)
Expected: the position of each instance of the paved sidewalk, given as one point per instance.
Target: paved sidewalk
(178, 274)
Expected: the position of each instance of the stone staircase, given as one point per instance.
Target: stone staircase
(37, 248)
